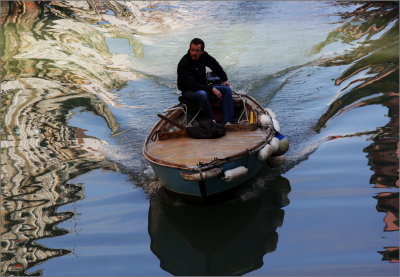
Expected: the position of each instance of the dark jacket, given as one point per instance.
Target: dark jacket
(192, 75)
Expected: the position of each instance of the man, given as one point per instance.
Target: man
(192, 81)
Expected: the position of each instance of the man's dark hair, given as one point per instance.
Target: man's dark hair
(198, 41)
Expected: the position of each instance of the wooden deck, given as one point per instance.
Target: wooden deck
(189, 152)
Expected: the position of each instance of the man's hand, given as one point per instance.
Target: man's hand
(217, 93)
(227, 84)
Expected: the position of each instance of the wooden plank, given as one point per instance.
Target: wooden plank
(189, 152)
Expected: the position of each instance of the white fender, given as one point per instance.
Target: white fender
(198, 176)
(274, 144)
(276, 161)
(235, 173)
(264, 120)
(265, 153)
(270, 112)
(276, 125)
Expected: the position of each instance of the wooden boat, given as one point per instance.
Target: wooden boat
(206, 167)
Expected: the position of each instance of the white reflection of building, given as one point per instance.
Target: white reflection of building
(40, 153)
(41, 83)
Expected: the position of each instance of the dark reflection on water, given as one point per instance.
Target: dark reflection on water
(374, 64)
(372, 78)
(229, 238)
(388, 202)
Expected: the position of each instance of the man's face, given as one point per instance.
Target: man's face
(195, 51)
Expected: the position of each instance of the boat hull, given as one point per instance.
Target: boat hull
(172, 179)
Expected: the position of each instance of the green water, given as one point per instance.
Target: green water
(82, 82)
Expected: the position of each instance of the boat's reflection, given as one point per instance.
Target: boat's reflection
(228, 238)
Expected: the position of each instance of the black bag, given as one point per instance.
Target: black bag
(207, 129)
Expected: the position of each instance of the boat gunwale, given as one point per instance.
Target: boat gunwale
(215, 162)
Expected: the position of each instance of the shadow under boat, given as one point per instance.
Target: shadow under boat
(228, 238)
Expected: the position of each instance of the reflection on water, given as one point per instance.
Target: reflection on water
(41, 83)
(374, 67)
(388, 202)
(38, 160)
(230, 238)
(372, 78)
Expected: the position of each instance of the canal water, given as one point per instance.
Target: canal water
(82, 82)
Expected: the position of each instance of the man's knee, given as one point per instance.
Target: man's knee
(202, 95)
(226, 91)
